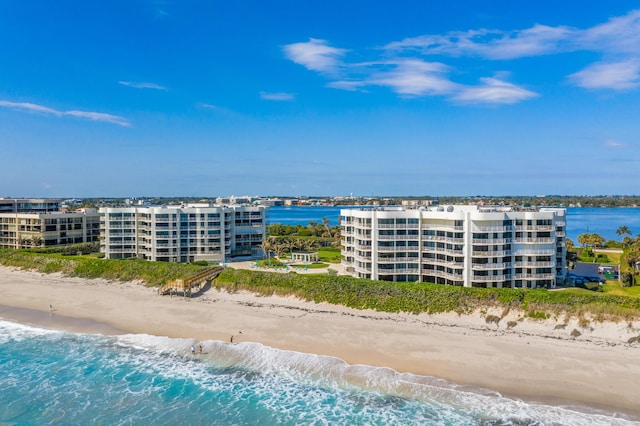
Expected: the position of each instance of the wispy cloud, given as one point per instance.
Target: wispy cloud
(40, 109)
(281, 96)
(493, 91)
(617, 76)
(209, 106)
(491, 44)
(413, 77)
(142, 85)
(404, 66)
(315, 55)
(609, 143)
(619, 34)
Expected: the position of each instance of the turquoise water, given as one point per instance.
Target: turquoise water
(603, 221)
(53, 377)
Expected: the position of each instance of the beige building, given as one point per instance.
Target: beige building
(40, 223)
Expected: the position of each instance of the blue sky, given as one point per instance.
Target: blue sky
(207, 98)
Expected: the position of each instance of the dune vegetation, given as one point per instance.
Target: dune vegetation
(341, 290)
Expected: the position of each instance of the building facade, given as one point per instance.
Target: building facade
(40, 223)
(29, 205)
(456, 245)
(183, 233)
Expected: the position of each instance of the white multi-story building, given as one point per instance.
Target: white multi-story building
(183, 233)
(467, 246)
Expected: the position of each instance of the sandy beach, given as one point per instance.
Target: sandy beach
(534, 360)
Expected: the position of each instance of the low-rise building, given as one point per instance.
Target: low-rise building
(472, 246)
(183, 233)
(39, 222)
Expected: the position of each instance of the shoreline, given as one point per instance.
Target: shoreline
(595, 370)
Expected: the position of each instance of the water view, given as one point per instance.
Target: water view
(603, 221)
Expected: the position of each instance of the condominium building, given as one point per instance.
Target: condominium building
(183, 233)
(39, 222)
(467, 246)
(29, 205)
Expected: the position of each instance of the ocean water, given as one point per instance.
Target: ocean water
(62, 378)
(603, 221)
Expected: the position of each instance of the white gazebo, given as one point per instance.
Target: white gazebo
(304, 256)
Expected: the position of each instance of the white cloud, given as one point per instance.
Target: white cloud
(414, 77)
(617, 75)
(491, 44)
(315, 55)
(281, 96)
(95, 116)
(493, 91)
(142, 85)
(209, 106)
(350, 85)
(609, 143)
(620, 34)
(401, 66)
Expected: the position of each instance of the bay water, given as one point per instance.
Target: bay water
(602, 221)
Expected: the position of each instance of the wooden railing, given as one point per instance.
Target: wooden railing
(187, 285)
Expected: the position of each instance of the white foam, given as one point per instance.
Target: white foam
(334, 373)
(13, 331)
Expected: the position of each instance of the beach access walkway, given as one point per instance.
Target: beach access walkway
(190, 285)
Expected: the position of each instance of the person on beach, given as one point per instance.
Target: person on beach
(193, 350)
(200, 348)
(231, 340)
(50, 308)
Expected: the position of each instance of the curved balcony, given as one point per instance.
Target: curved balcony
(489, 266)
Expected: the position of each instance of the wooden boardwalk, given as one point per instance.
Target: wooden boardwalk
(191, 284)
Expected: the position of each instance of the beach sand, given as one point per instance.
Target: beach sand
(533, 360)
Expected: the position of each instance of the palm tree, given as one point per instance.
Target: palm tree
(299, 244)
(623, 230)
(569, 243)
(37, 241)
(280, 250)
(583, 239)
(632, 258)
(596, 240)
(24, 242)
(626, 232)
(267, 247)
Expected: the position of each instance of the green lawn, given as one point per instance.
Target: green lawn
(318, 265)
(329, 255)
(615, 288)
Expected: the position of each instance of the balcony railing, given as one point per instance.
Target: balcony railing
(494, 253)
(534, 276)
(443, 274)
(398, 237)
(487, 266)
(535, 264)
(441, 238)
(443, 262)
(441, 250)
(491, 241)
(485, 278)
(436, 227)
(544, 240)
(525, 252)
(491, 228)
